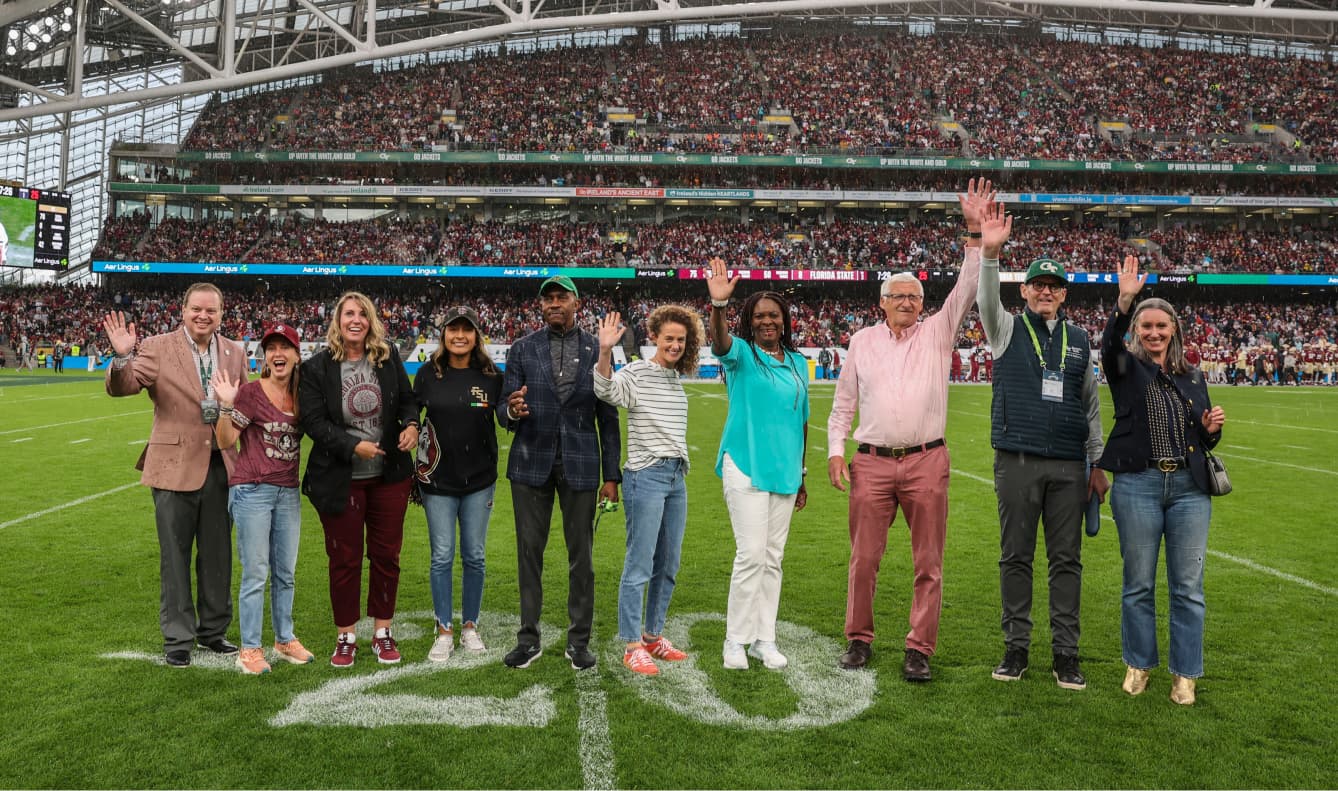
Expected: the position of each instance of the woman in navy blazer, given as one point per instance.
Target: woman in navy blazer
(1163, 423)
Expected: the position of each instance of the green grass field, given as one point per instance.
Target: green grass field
(87, 704)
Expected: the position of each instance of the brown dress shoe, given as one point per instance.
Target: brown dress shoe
(856, 656)
(916, 666)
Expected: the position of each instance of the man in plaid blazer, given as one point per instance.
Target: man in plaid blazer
(566, 443)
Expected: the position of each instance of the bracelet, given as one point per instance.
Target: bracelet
(719, 303)
(225, 410)
(973, 234)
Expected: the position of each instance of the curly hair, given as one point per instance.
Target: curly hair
(695, 333)
(376, 345)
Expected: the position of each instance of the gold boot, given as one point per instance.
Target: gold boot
(1182, 690)
(1135, 681)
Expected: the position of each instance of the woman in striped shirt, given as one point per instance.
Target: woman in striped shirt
(654, 480)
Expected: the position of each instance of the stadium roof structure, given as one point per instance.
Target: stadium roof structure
(50, 50)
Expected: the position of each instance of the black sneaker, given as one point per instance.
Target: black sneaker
(177, 658)
(581, 658)
(1012, 667)
(1067, 673)
(522, 656)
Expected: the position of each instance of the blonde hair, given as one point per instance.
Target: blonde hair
(691, 322)
(209, 287)
(377, 349)
(1175, 348)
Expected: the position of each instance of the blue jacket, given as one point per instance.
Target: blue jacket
(589, 457)
(1130, 443)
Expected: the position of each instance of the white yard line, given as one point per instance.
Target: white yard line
(74, 422)
(53, 509)
(22, 439)
(51, 398)
(596, 746)
(81, 441)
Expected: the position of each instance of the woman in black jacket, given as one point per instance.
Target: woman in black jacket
(1163, 423)
(361, 414)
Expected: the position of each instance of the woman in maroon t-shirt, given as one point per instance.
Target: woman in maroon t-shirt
(263, 496)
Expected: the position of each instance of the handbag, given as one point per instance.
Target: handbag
(1219, 483)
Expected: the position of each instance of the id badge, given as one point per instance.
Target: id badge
(209, 410)
(1052, 386)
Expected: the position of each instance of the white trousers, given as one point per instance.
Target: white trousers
(761, 523)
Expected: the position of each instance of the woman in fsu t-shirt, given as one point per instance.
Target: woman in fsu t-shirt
(457, 469)
(263, 497)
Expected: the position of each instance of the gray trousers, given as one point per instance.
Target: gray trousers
(533, 506)
(195, 520)
(1034, 489)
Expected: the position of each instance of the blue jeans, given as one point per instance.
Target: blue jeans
(1150, 506)
(657, 515)
(473, 511)
(269, 524)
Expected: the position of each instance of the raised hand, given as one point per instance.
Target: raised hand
(120, 334)
(995, 228)
(1130, 282)
(224, 388)
(979, 195)
(611, 330)
(720, 286)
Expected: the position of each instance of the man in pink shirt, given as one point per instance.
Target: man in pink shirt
(896, 377)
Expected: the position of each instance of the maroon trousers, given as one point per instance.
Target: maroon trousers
(379, 507)
(918, 485)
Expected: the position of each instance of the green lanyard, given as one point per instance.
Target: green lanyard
(1036, 343)
(206, 374)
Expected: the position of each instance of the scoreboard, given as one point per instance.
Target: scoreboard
(35, 227)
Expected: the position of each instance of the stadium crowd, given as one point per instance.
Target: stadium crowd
(842, 244)
(845, 91)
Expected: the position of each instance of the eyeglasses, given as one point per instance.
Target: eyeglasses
(1053, 288)
(903, 297)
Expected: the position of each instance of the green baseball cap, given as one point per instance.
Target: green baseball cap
(561, 281)
(1046, 267)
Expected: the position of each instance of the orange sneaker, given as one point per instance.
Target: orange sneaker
(638, 661)
(293, 651)
(661, 648)
(252, 661)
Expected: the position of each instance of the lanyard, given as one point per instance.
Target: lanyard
(1036, 343)
(206, 372)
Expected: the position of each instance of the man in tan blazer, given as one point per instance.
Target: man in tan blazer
(183, 465)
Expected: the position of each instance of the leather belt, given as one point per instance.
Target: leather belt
(1167, 465)
(897, 453)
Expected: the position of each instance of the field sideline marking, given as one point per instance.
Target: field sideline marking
(596, 746)
(53, 398)
(1246, 562)
(1287, 425)
(1256, 459)
(73, 422)
(81, 441)
(63, 506)
(22, 439)
(1250, 564)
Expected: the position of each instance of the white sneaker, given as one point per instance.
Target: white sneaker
(735, 658)
(470, 640)
(442, 648)
(767, 652)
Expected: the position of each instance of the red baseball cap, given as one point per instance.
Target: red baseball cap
(282, 330)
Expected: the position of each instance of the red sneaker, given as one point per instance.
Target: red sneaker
(386, 649)
(345, 651)
(638, 661)
(661, 648)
